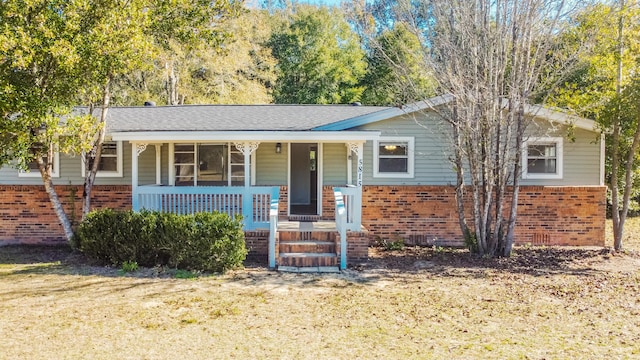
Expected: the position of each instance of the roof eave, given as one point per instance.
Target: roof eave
(259, 136)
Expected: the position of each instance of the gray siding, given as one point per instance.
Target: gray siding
(431, 152)
(334, 162)
(581, 158)
(70, 172)
(271, 168)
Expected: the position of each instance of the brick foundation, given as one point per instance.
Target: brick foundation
(426, 215)
(27, 217)
(421, 215)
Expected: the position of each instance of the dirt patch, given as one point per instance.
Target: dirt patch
(543, 302)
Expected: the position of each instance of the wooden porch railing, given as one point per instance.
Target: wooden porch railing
(253, 203)
(352, 198)
(341, 225)
(273, 226)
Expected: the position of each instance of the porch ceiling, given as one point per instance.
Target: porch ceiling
(257, 136)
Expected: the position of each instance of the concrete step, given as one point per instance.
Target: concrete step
(310, 246)
(304, 259)
(309, 269)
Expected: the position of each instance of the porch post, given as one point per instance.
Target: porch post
(247, 148)
(136, 150)
(158, 164)
(358, 150)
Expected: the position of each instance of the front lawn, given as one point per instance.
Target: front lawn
(543, 303)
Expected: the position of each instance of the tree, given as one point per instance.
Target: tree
(396, 73)
(41, 68)
(319, 58)
(605, 87)
(491, 57)
(56, 53)
(187, 25)
(240, 72)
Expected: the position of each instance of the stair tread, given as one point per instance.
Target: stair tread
(306, 254)
(306, 242)
(309, 269)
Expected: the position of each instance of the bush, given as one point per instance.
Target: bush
(203, 241)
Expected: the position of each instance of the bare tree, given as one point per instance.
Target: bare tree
(491, 56)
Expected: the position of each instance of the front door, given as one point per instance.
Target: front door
(303, 185)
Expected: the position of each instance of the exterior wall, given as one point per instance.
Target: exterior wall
(26, 215)
(334, 161)
(271, 168)
(71, 171)
(432, 152)
(426, 215)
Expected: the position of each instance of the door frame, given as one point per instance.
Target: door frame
(319, 175)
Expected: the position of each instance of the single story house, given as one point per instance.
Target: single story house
(341, 175)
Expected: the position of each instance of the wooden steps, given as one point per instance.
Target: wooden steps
(307, 251)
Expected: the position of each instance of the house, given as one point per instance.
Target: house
(339, 174)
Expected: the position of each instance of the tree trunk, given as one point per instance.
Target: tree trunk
(45, 172)
(617, 217)
(91, 171)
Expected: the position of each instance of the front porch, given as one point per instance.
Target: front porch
(319, 239)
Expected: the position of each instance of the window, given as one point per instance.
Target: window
(543, 158)
(393, 157)
(110, 160)
(217, 165)
(35, 172)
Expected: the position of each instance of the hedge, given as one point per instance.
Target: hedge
(203, 241)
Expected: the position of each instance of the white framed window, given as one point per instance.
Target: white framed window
(110, 160)
(217, 165)
(542, 158)
(35, 172)
(393, 157)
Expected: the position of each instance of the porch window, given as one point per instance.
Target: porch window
(208, 165)
(110, 160)
(393, 157)
(543, 157)
(35, 172)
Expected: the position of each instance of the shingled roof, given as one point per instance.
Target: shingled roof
(232, 117)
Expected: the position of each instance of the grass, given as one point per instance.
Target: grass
(543, 303)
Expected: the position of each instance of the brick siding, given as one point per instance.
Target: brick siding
(422, 215)
(426, 215)
(27, 217)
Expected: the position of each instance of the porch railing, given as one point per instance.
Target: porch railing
(253, 203)
(352, 199)
(341, 225)
(273, 226)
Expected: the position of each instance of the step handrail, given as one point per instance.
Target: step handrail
(341, 225)
(273, 225)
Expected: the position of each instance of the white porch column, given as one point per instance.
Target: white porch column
(136, 150)
(358, 150)
(247, 148)
(158, 164)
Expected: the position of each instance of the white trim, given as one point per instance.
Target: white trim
(558, 141)
(242, 136)
(602, 158)
(410, 157)
(158, 148)
(172, 170)
(55, 171)
(102, 173)
(349, 166)
(319, 178)
(537, 111)
(288, 179)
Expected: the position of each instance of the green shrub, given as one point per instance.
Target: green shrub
(203, 241)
